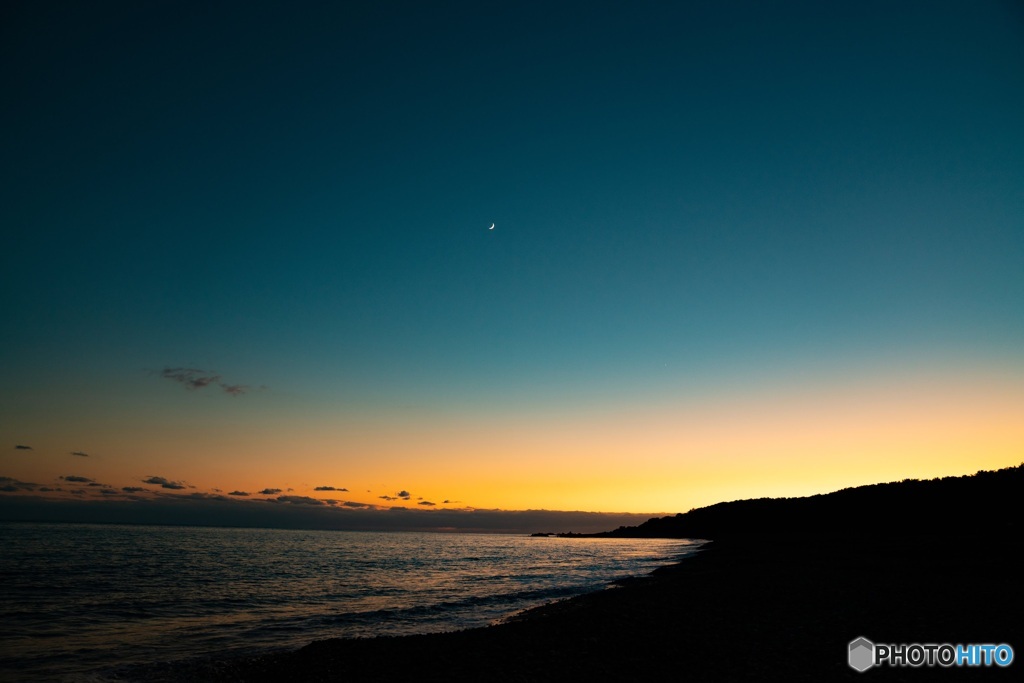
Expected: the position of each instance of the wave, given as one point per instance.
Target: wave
(111, 605)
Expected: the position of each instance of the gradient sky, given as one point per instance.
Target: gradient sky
(741, 249)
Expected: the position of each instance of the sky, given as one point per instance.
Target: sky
(739, 249)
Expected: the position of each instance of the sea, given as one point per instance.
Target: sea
(92, 603)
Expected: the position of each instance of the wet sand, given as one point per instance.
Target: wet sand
(776, 609)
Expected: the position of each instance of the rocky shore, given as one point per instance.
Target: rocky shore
(778, 609)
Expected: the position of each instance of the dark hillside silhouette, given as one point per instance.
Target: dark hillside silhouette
(986, 502)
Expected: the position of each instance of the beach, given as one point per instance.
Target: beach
(779, 608)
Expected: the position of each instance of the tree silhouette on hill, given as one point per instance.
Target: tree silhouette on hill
(987, 502)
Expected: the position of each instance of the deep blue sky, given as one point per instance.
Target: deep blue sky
(685, 194)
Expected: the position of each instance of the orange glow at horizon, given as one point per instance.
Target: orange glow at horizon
(662, 458)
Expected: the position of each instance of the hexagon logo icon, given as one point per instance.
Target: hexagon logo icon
(862, 654)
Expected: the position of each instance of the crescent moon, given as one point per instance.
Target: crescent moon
(492, 227)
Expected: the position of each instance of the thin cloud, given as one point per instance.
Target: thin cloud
(78, 480)
(425, 502)
(163, 482)
(192, 378)
(270, 492)
(298, 500)
(22, 447)
(10, 485)
(133, 489)
(329, 488)
(195, 379)
(238, 493)
(81, 454)
(387, 497)
(404, 494)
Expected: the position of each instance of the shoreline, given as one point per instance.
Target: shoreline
(765, 608)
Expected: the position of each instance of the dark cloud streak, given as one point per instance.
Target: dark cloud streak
(289, 512)
(11, 485)
(192, 378)
(163, 482)
(298, 500)
(195, 379)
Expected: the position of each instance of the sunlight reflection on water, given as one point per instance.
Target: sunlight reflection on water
(82, 597)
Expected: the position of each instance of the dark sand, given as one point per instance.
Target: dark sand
(741, 610)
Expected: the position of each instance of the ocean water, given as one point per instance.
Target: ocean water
(85, 602)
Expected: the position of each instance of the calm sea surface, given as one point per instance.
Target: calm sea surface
(80, 602)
